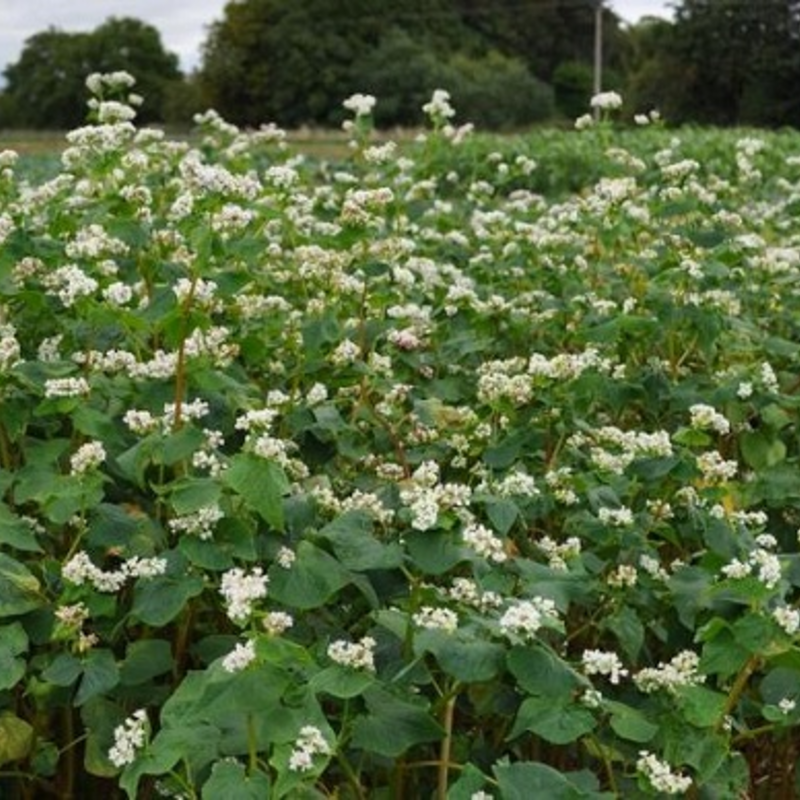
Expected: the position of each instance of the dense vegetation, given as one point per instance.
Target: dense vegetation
(466, 471)
(507, 64)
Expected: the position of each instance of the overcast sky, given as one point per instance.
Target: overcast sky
(182, 23)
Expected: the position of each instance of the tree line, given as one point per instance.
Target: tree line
(506, 63)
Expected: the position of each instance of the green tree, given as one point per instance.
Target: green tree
(136, 47)
(294, 63)
(45, 88)
(654, 77)
(544, 33)
(742, 61)
(496, 91)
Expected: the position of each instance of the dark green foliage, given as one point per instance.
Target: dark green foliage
(46, 87)
(723, 62)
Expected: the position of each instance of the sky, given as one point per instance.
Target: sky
(183, 24)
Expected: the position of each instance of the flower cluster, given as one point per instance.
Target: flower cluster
(80, 569)
(309, 743)
(240, 657)
(680, 671)
(601, 662)
(240, 591)
(525, 617)
(356, 655)
(129, 738)
(661, 776)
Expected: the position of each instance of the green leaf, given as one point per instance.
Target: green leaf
(761, 449)
(180, 446)
(754, 632)
(64, 670)
(355, 545)
(780, 683)
(465, 658)
(627, 627)
(434, 552)
(158, 600)
(525, 780)
(556, 720)
(312, 580)
(723, 655)
(690, 592)
(198, 746)
(145, 659)
(563, 588)
(19, 588)
(470, 781)
(16, 738)
(701, 706)
(100, 716)
(393, 725)
(13, 642)
(230, 781)
(503, 514)
(100, 675)
(541, 672)
(339, 681)
(629, 723)
(192, 494)
(262, 485)
(16, 532)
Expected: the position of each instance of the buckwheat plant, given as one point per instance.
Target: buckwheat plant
(449, 468)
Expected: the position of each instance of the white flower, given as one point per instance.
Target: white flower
(286, 557)
(241, 590)
(787, 618)
(309, 743)
(625, 575)
(87, 457)
(438, 107)
(480, 539)
(118, 293)
(441, 619)
(715, 468)
(616, 517)
(128, 738)
(599, 662)
(680, 671)
(606, 101)
(240, 656)
(66, 387)
(276, 622)
(787, 705)
(356, 655)
(707, 417)
(660, 775)
(360, 104)
(525, 617)
(201, 523)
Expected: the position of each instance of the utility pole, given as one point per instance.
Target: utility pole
(598, 51)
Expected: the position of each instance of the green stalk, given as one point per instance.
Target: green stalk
(739, 685)
(446, 746)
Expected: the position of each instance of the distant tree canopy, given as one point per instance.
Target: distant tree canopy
(506, 63)
(46, 87)
(722, 61)
(294, 63)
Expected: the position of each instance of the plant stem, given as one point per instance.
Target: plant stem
(446, 746)
(351, 775)
(739, 685)
(68, 787)
(252, 746)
